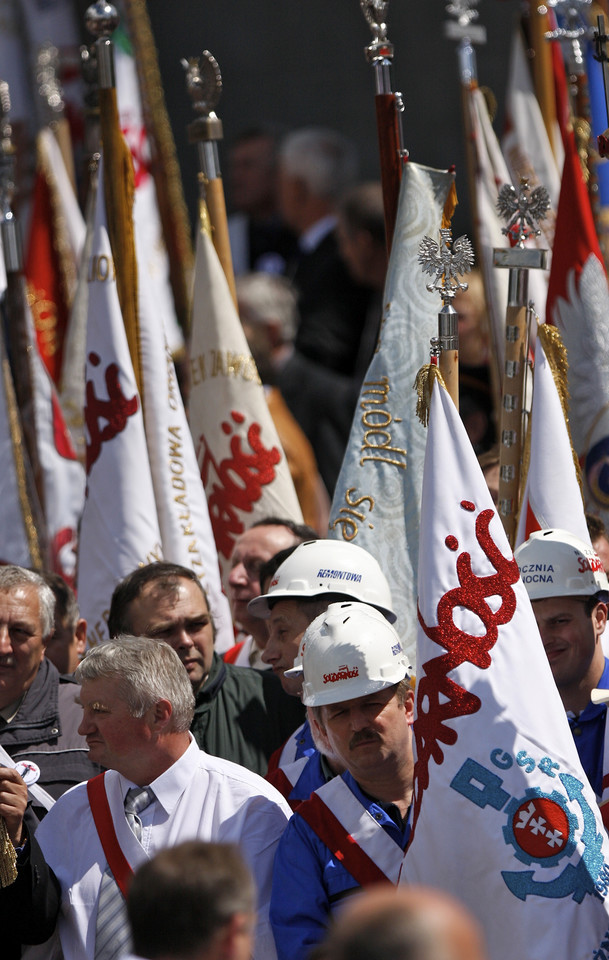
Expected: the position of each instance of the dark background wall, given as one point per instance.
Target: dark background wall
(297, 62)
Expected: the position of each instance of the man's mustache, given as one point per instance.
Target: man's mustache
(363, 736)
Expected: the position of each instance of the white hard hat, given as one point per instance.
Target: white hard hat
(318, 567)
(350, 651)
(554, 563)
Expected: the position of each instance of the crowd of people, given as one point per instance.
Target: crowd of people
(165, 801)
(149, 758)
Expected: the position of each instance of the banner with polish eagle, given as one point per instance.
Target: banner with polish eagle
(243, 467)
(503, 815)
(578, 304)
(119, 528)
(378, 493)
(552, 495)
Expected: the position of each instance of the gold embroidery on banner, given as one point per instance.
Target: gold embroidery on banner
(348, 516)
(377, 437)
(98, 632)
(44, 314)
(178, 483)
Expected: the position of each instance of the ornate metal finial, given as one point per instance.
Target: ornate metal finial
(7, 153)
(375, 13)
(522, 211)
(445, 264)
(463, 11)
(49, 88)
(101, 19)
(203, 82)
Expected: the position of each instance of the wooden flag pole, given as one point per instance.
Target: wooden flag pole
(521, 212)
(389, 107)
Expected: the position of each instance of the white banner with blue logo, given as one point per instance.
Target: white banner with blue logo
(504, 818)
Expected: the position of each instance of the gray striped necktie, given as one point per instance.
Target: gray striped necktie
(112, 939)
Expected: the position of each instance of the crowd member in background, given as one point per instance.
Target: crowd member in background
(67, 644)
(353, 830)
(259, 239)
(158, 789)
(489, 464)
(316, 166)
(362, 244)
(254, 547)
(268, 313)
(599, 539)
(241, 715)
(38, 715)
(410, 923)
(569, 592)
(476, 404)
(196, 901)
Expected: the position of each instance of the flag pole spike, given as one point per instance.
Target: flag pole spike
(204, 86)
(445, 262)
(389, 109)
(521, 210)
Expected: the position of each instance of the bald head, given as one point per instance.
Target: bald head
(407, 923)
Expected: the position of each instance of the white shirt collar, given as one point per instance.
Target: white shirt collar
(169, 787)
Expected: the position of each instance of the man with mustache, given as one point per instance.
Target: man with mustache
(353, 830)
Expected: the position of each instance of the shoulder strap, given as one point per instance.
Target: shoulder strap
(102, 816)
(340, 843)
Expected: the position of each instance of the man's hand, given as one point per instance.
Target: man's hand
(13, 801)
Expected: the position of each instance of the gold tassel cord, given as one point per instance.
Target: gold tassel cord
(423, 384)
(8, 857)
(556, 354)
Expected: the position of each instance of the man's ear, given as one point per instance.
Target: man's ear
(409, 707)
(599, 618)
(163, 712)
(80, 633)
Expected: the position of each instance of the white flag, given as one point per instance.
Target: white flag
(119, 527)
(504, 817)
(243, 467)
(552, 495)
(186, 533)
(378, 493)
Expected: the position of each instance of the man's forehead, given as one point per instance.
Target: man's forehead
(167, 593)
(262, 543)
(21, 599)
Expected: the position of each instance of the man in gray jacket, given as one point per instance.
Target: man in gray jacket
(38, 715)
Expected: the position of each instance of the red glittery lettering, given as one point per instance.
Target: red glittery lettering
(468, 505)
(439, 698)
(238, 481)
(451, 542)
(116, 410)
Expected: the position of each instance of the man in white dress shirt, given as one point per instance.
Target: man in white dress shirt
(137, 706)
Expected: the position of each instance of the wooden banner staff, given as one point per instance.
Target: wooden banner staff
(521, 211)
(204, 86)
(445, 261)
(389, 108)
(16, 375)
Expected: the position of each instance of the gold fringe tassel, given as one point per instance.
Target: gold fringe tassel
(450, 205)
(423, 384)
(8, 857)
(556, 353)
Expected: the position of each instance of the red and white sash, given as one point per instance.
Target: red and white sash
(603, 803)
(352, 834)
(285, 778)
(122, 849)
(286, 754)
